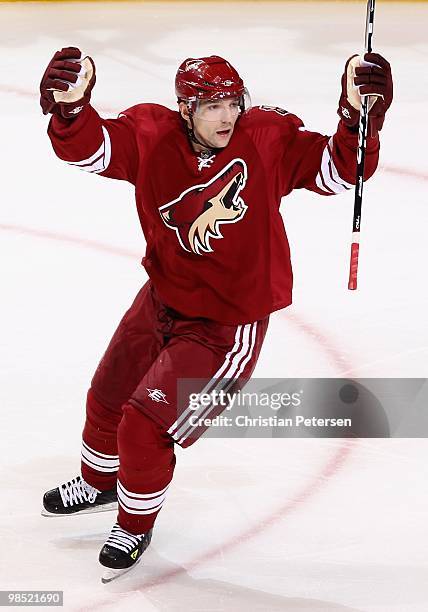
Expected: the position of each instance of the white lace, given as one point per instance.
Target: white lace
(119, 538)
(205, 162)
(77, 491)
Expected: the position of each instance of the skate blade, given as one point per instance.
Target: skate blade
(103, 508)
(111, 574)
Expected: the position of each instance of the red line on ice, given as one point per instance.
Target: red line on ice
(59, 237)
(319, 338)
(330, 469)
(406, 172)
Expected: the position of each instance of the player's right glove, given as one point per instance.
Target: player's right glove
(67, 83)
(369, 76)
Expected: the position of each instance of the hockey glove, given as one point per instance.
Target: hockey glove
(67, 83)
(369, 76)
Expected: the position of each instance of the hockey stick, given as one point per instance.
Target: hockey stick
(361, 156)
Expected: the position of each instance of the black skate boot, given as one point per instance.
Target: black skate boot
(122, 552)
(77, 497)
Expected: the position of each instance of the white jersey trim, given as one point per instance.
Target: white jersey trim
(100, 160)
(328, 178)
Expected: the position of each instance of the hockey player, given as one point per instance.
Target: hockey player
(208, 181)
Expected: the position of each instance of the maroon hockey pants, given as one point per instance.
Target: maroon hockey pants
(134, 415)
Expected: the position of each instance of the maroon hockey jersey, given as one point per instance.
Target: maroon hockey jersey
(216, 243)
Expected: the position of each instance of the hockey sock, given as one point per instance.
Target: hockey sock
(147, 463)
(100, 459)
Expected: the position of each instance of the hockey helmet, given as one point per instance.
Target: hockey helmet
(209, 78)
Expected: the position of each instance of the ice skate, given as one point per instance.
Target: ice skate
(77, 497)
(122, 552)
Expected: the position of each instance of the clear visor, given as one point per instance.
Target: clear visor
(221, 109)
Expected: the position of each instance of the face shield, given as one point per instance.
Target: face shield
(221, 108)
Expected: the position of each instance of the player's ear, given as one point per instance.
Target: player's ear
(184, 112)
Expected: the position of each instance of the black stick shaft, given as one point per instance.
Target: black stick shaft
(361, 155)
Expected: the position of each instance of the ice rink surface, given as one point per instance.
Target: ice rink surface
(286, 524)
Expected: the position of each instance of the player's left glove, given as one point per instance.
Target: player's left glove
(369, 76)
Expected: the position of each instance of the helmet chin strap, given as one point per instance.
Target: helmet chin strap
(193, 137)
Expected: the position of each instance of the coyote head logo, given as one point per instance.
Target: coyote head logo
(198, 212)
